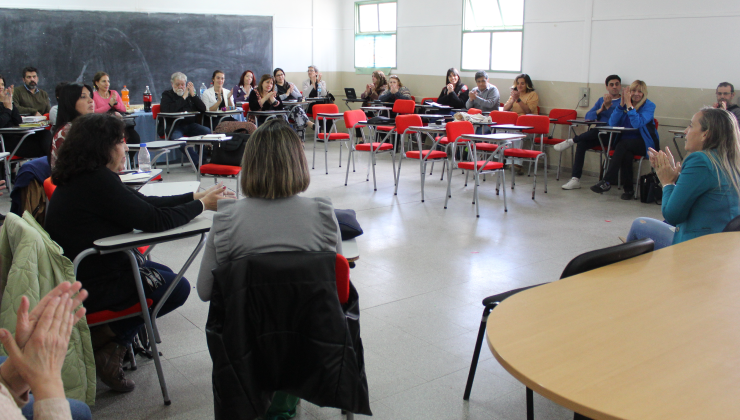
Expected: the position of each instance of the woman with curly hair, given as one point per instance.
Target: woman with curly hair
(90, 203)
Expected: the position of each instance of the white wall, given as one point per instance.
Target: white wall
(672, 43)
(295, 35)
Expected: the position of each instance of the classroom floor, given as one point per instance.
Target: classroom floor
(422, 274)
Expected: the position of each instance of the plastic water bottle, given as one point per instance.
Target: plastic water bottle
(145, 164)
(124, 96)
(318, 89)
(147, 100)
(202, 89)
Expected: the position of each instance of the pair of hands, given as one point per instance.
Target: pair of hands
(211, 196)
(665, 165)
(626, 97)
(473, 94)
(6, 97)
(719, 105)
(37, 352)
(189, 90)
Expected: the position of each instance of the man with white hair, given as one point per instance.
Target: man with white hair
(182, 98)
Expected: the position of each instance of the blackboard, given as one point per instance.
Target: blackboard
(135, 49)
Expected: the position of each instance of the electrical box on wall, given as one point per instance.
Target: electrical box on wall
(585, 93)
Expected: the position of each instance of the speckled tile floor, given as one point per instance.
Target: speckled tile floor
(422, 274)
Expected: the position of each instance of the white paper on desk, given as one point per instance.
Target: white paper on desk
(33, 119)
(136, 176)
(207, 137)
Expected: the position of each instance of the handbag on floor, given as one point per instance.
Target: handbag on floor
(650, 189)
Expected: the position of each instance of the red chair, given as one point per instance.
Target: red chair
(422, 155)
(245, 108)
(216, 171)
(400, 107)
(492, 164)
(424, 100)
(341, 270)
(454, 130)
(561, 117)
(351, 121)
(504, 117)
(325, 137)
(541, 124)
(474, 111)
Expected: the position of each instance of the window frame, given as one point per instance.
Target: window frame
(491, 32)
(374, 33)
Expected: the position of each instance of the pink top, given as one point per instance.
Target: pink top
(103, 105)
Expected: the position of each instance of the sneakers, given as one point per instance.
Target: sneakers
(627, 195)
(564, 145)
(109, 364)
(573, 184)
(601, 187)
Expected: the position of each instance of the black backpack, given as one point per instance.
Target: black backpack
(650, 189)
(230, 152)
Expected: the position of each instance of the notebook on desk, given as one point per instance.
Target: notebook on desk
(350, 93)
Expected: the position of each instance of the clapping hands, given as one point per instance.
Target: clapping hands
(665, 165)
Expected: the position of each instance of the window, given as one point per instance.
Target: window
(375, 34)
(492, 35)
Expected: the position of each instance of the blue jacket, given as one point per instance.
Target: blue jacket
(641, 119)
(698, 205)
(604, 116)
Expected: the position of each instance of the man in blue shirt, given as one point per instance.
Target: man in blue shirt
(601, 111)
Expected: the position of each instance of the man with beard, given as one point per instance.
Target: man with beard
(29, 99)
(725, 94)
(182, 98)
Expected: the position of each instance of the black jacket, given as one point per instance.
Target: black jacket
(456, 99)
(95, 205)
(172, 102)
(9, 118)
(275, 324)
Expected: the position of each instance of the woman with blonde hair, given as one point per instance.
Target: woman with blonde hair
(523, 100)
(376, 88)
(634, 111)
(700, 196)
(396, 90)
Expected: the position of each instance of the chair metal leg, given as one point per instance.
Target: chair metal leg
(149, 328)
(375, 184)
(423, 165)
(530, 404)
(326, 155)
(448, 194)
(503, 187)
(349, 157)
(475, 195)
(476, 353)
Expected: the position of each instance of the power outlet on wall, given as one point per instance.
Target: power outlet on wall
(585, 93)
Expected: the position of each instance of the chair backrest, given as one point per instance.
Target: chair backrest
(155, 111)
(46, 116)
(341, 268)
(413, 98)
(324, 109)
(405, 121)
(351, 118)
(563, 115)
(733, 226)
(474, 111)
(541, 123)
(655, 120)
(404, 106)
(49, 188)
(602, 257)
(456, 129)
(424, 100)
(504, 117)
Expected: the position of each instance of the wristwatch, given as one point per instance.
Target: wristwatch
(518, 99)
(630, 108)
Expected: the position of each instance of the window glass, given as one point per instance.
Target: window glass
(368, 18)
(477, 46)
(375, 34)
(506, 51)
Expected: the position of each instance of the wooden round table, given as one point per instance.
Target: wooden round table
(654, 337)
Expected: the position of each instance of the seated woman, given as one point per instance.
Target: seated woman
(247, 82)
(108, 100)
(35, 145)
(89, 203)
(216, 97)
(396, 90)
(455, 92)
(700, 197)
(523, 99)
(286, 91)
(289, 92)
(634, 111)
(264, 98)
(314, 86)
(272, 217)
(375, 89)
(75, 100)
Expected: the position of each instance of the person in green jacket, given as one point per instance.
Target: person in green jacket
(29, 99)
(700, 196)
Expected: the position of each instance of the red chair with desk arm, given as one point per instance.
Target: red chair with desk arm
(541, 124)
(424, 156)
(561, 117)
(351, 121)
(332, 135)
